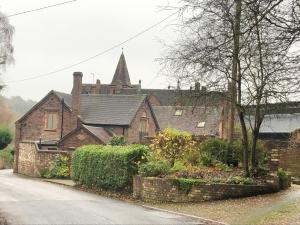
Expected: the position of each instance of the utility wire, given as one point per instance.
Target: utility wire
(97, 55)
(38, 9)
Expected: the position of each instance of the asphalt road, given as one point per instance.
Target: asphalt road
(31, 201)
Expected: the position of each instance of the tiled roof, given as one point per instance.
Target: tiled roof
(110, 109)
(190, 118)
(100, 132)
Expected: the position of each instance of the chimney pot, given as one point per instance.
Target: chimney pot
(197, 86)
(98, 85)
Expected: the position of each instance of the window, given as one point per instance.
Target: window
(51, 120)
(201, 124)
(178, 112)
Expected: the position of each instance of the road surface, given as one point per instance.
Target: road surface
(31, 201)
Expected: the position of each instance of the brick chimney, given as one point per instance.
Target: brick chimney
(197, 86)
(98, 84)
(76, 92)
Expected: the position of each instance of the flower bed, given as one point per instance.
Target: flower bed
(174, 190)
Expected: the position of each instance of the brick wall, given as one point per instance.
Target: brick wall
(165, 190)
(32, 160)
(134, 129)
(33, 126)
(78, 138)
(290, 161)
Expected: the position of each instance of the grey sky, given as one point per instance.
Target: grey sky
(53, 38)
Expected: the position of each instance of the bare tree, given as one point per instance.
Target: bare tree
(250, 46)
(6, 48)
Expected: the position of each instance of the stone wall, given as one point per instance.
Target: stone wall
(290, 161)
(32, 160)
(166, 190)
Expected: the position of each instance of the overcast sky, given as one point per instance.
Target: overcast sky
(50, 39)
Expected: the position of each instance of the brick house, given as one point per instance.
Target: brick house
(94, 113)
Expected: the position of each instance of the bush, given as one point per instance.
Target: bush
(7, 156)
(240, 180)
(5, 138)
(186, 184)
(213, 149)
(118, 141)
(284, 179)
(59, 168)
(172, 144)
(107, 167)
(237, 151)
(154, 168)
(178, 167)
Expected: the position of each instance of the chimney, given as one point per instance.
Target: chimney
(76, 92)
(98, 84)
(178, 85)
(197, 86)
(140, 86)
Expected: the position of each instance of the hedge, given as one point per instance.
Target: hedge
(107, 167)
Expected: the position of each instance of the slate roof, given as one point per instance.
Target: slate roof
(121, 75)
(280, 123)
(67, 98)
(101, 133)
(110, 109)
(190, 118)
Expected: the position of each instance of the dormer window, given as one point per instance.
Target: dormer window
(201, 124)
(178, 112)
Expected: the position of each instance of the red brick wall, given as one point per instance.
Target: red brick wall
(33, 126)
(78, 138)
(134, 129)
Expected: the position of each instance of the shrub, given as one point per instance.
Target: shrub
(237, 151)
(240, 180)
(213, 149)
(154, 168)
(5, 138)
(223, 167)
(284, 179)
(59, 168)
(7, 156)
(178, 167)
(172, 144)
(107, 167)
(186, 184)
(118, 141)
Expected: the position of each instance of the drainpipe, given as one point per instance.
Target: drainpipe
(62, 118)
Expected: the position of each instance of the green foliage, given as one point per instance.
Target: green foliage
(240, 180)
(107, 167)
(5, 137)
(237, 151)
(284, 179)
(223, 167)
(172, 144)
(59, 168)
(178, 167)
(7, 156)
(118, 141)
(186, 184)
(154, 168)
(213, 149)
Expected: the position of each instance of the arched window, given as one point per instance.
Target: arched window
(144, 125)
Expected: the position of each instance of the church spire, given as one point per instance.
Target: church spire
(121, 76)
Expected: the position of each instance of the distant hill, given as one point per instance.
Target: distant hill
(18, 105)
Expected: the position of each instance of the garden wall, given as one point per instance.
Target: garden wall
(166, 190)
(32, 160)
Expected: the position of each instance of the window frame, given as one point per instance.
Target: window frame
(52, 128)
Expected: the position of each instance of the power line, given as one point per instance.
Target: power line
(97, 55)
(38, 9)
